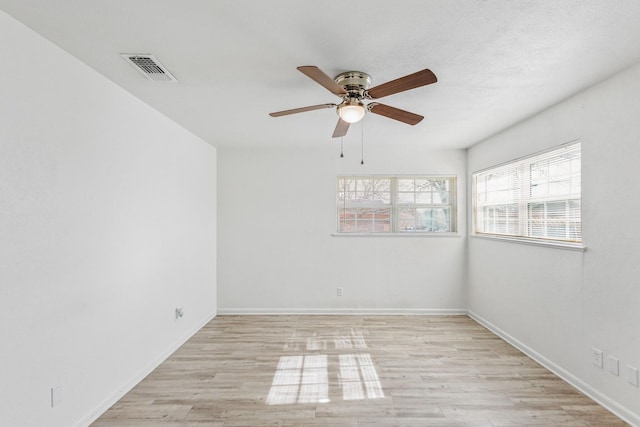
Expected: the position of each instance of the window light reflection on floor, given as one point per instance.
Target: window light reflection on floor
(356, 371)
(314, 344)
(305, 379)
(354, 340)
(300, 379)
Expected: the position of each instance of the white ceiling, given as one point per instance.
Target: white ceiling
(497, 61)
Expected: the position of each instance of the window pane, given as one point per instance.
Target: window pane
(536, 229)
(364, 190)
(382, 190)
(424, 198)
(364, 220)
(536, 211)
(539, 179)
(440, 191)
(558, 220)
(422, 184)
(423, 204)
(382, 197)
(382, 184)
(405, 184)
(435, 220)
(406, 198)
(536, 197)
(347, 220)
(363, 226)
(501, 185)
(559, 187)
(407, 219)
(501, 219)
(382, 220)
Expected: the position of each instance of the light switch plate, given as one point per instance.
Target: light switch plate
(56, 395)
(613, 365)
(632, 375)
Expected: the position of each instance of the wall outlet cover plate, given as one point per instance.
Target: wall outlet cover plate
(596, 357)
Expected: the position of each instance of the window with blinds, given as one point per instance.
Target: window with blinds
(407, 204)
(538, 197)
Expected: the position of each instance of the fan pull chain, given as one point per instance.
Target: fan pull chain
(341, 148)
(362, 143)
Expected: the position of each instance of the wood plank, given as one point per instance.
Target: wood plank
(350, 371)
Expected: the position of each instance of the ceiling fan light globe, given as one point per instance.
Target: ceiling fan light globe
(351, 113)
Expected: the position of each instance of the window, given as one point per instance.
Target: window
(538, 197)
(411, 204)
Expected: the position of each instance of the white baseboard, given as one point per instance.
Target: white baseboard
(619, 410)
(343, 311)
(124, 389)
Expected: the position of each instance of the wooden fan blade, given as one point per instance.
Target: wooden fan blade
(301, 110)
(341, 129)
(395, 113)
(321, 78)
(412, 81)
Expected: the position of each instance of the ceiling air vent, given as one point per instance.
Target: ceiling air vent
(149, 66)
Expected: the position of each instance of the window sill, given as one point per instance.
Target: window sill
(549, 244)
(402, 235)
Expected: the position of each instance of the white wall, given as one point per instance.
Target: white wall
(277, 211)
(107, 223)
(561, 303)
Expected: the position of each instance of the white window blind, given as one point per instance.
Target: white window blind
(407, 204)
(538, 197)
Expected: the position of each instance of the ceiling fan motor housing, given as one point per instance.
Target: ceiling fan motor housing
(354, 82)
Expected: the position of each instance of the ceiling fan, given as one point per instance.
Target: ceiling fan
(353, 88)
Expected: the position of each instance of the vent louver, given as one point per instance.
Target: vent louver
(149, 66)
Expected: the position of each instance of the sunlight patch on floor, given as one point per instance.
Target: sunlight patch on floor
(300, 379)
(358, 377)
(305, 379)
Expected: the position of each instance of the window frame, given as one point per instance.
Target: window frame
(395, 206)
(524, 203)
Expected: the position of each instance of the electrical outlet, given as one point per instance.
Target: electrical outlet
(339, 292)
(613, 365)
(632, 375)
(179, 312)
(596, 356)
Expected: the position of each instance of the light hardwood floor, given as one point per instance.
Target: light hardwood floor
(351, 371)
